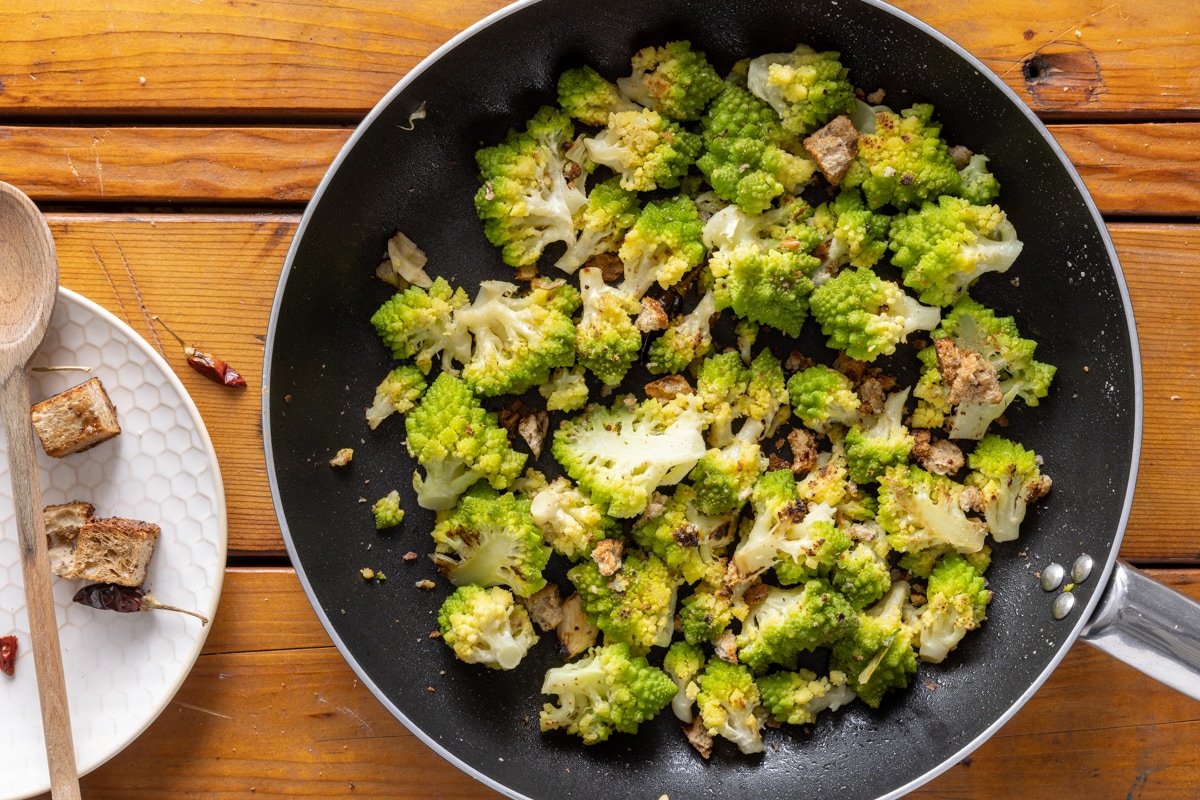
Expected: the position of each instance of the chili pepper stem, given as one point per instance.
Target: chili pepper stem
(188, 350)
(150, 603)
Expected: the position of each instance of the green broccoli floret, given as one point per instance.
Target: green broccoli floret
(878, 441)
(730, 706)
(646, 150)
(789, 621)
(485, 626)
(387, 511)
(979, 185)
(851, 233)
(977, 367)
(683, 663)
(610, 211)
(635, 606)
(957, 600)
(608, 341)
(567, 389)
(760, 264)
(662, 246)
(903, 160)
(608, 689)
(867, 316)
(620, 454)
(920, 510)
(805, 87)
(687, 338)
(458, 443)
(419, 323)
(588, 97)
(526, 199)
(943, 247)
(571, 523)
(674, 80)
(878, 654)
(491, 539)
(796, 698)
(685, 538)
(862, 574)
(746, 158)
(823, 398)
(705, 613)
(518, 340)
(398, 392)
(1009, 477)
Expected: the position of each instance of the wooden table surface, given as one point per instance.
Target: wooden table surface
(172, 144)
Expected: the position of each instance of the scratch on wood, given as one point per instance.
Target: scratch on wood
(71, 164)
(203, 710)
(1058, 38)
(111, 283)
(137, 292)
(350, 712)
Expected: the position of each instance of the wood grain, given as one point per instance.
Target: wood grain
(271, 710)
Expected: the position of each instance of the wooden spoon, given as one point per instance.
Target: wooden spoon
(28, 289)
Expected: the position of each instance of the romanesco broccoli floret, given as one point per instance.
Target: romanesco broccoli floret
(607, 341)
(789, 621)
(707, 612)
(674, 80)
(862, 574)
(567, 389)
(903, 160)
(811, 549)
(387, 511)
(746, 158)
(610, 211)
(957, 600)
(684, 663)
(490, 539)
(760, 265)
(622, 453)
(796, 698)
(878, 441)
(724, 477)
(398, 392)
(919, 510)
(588, 97)
(608, 689)
(518, 340)
(636, 605)
(419, 323)
(805, 87)
(646, 150)
(943, 247)
(688, 540)
(878, 655)
(823, 398)
(775, 506)
(754, 395)
(1009, 477)
(828, 481)
(851, 234)
(867, 316)
(458, 442)
(979, 185)
(730, 706)
(526, 198)
(687, 338)
(662, 246)
(485, 626)
(571, 523)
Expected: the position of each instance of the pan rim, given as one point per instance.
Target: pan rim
(1084, 615)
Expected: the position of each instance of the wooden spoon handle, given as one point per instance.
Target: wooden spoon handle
(39, 597)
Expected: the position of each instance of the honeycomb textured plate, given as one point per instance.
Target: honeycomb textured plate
(121, 669)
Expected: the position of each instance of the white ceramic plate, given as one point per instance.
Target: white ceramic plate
(121, 669)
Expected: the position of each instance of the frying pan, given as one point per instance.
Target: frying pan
(413, 172)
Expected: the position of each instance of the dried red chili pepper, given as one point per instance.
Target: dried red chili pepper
(125, 599)
(206, 364)
(8, 654)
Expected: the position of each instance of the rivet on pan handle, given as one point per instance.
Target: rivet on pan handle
(1150, 627)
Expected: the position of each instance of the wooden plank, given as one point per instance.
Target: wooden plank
(336, 59)
(272, 710)
(1150, 169)
(168, 164)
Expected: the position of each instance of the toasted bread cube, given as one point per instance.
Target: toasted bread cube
(114, 550)
(834, 148)
(64, 520)
(74, 420)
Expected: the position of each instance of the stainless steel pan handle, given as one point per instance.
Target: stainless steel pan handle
(1150, 627)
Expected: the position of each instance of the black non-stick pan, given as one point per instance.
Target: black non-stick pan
(415, 172)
